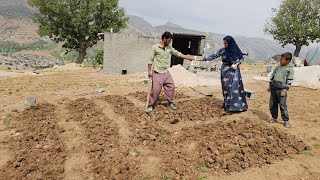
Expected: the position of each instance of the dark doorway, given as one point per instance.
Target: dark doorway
(187, 44)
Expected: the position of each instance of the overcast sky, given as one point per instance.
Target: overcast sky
(234, 17)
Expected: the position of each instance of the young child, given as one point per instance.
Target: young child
(280, 81)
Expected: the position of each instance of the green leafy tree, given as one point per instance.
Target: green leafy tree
(99, 57)
(77, 23)
(296, 22)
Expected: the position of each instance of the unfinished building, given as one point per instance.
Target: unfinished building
(129, 53)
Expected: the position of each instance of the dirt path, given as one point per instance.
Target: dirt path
(4, 149)
(124, 130)
(77, 164)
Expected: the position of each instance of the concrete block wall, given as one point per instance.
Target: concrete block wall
(126, 52)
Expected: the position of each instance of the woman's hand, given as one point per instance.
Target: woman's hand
(234, 66)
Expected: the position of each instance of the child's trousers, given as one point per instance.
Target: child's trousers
(275, 100)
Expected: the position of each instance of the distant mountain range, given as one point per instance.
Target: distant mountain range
(16, 25)
(258, 48)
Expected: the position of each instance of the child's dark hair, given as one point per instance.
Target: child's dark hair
(287, 56)
(167, 35)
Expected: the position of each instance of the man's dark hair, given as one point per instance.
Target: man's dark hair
(287, 56)
(167, 35)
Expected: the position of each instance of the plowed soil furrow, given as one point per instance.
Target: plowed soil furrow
(108, 158)
(77, 164)
(38, 151)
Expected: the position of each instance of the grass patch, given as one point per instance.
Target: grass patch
(136, 152)
(7, 119)
(137, 83)
(166, 176)
(202, 178)
(316, 146)
(102, 85)
(164, 141)
(203, 167)
(306, 153)
(289, 156)
(306, 168)
(314, 138)
(41, 67)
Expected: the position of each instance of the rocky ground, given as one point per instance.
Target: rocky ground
(18, 61)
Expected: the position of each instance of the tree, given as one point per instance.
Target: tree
(77, 23)
(99, 57)
(296, 22)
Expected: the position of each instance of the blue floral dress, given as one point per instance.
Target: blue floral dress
(231, 82)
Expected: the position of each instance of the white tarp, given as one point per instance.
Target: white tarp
(308, 77)
(313, 56)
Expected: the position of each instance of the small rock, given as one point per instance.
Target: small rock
(20, 159)
(38, 146)
(232, 166)
(268, 161)
(29, 102)
(210, 160)
(133, 153)
(216, 152)
(175, 121)
(100, 90)
(145, 143)
(153, 137)
(100, 142)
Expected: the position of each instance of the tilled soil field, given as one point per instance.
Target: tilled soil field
(74, 133)
(123, 142)
(111, 137)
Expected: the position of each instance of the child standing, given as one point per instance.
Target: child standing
(280, 81)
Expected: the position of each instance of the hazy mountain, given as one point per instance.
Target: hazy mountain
(138, 25)
(15, 21)
(15, 9)
(258, 48)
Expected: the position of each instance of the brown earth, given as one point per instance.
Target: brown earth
(75, 133)
(142, 96)
(38, 151)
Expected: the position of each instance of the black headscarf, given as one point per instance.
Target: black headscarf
(233, 51)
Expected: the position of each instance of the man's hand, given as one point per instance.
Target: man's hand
(195, 58)
(150, 74)
(283, 93)
(190, 58)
